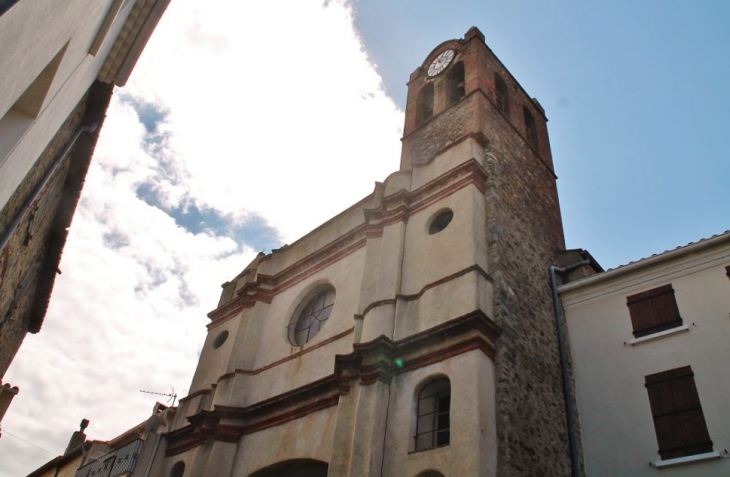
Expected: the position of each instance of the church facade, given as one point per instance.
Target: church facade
(413, 334)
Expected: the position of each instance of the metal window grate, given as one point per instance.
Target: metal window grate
(433, 424)
(116, 462)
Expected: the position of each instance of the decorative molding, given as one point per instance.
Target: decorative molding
(644, 277)
(376, 361)
(428, 286)
(200, 392)
(252, 292)
(290, 357)
(395, 208)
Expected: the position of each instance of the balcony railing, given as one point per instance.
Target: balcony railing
(116, 462)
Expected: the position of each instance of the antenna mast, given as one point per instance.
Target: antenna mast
(172, 395)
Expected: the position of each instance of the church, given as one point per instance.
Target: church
(412, 334)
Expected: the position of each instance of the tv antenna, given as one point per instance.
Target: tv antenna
(172, 395)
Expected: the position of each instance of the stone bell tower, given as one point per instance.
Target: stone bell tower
(461, 91)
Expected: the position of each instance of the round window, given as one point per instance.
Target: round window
(441, 221)
(311, 315)
(220, 339)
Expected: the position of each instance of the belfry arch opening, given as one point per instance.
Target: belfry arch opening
(455, 83)
(501, 94)
(530, 127)
(424, 107)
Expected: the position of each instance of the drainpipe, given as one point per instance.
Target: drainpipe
(154, 454)
(575, 468)
(47, 177)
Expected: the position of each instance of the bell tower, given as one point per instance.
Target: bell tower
(462, 91)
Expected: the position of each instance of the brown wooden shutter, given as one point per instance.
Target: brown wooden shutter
(680, 425)
(653, 311)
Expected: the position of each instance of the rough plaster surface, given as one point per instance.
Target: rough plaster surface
(610, 373)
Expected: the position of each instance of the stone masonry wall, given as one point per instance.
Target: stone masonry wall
(28, 242)
(525, 233)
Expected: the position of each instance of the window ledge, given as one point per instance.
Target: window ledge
(686, 460)
(656, 336)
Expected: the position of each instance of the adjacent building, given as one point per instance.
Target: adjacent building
(129, 454)
(650, 353)
(60, 62)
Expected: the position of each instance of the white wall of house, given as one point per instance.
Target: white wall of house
(46, 44)
(610, 365)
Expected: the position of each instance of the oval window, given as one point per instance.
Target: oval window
(311, 316)
(441, 221)
(220, 339)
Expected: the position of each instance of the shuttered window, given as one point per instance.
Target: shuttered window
(678, 419)
(653, 311)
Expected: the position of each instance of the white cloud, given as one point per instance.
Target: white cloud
(273, 111)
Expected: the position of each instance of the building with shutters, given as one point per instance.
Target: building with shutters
(650, 353)
(60, 62)
(413, 334)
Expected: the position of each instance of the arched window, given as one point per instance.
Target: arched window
(530, 128)
(424, 108)
(178, 470)
(311, 315)
(501, 94)
(433, 424)
(455, 85)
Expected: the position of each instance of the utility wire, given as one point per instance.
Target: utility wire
(29, 443)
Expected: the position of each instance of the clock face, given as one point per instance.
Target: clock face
(441, 62)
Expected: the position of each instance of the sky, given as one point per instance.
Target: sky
(246, 124)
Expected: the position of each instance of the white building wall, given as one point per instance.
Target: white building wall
(615, 416)
(38, 30)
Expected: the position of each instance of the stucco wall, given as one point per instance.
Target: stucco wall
(38, 31)
(309, 437)
(472, 447)
(616, 419)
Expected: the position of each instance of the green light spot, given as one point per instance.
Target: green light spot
(399, 362)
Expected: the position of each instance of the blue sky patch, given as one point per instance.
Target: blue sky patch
(151, 115)
(253, 231)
